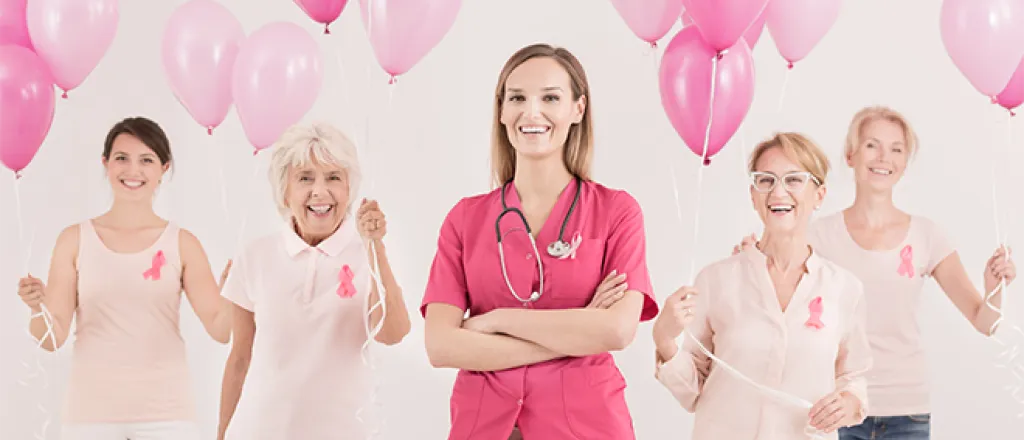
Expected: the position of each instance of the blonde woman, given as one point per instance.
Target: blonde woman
(550, 266)
(893, 253)
(302, 297)
(778, 312)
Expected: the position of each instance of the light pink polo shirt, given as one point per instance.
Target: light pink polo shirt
(306, 379)
(739, 318)
(562, 398)
(893, 280)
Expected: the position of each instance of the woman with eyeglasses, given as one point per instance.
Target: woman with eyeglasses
(778, 312)
(892, 253)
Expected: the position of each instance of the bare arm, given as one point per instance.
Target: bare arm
(451, 346)
(237, 366)
(396, 320)
(954, 281)
(202, 290)
(574, 332)
(60, 292)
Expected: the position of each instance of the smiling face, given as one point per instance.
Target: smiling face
(317, 195)
(133, 169)
(881, 157)
(784, 193)
(539, 108)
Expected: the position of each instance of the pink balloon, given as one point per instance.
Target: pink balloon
(72, 36)
(723, 22)
(276, 79)
(26, 106)
(751, 36)
(402, 32)
(685, 83)
(985, 40)
(323, 11)
(200, 45)
(797, 26)
(1013, 95)
(649, 19)
(13, 24)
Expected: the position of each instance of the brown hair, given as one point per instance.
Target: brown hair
(869, 114)
(579, 145)
(146, 131)
(798, 148)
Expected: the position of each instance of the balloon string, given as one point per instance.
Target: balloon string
(37, 370)
(1010, 354)
(784, 397)
(222, 181)
(246, 207)
(782, 92)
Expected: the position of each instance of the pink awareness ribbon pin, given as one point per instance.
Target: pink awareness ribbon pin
(906, 262)
(814, 321)
(345, 287)
(573, 246)
(153, 273)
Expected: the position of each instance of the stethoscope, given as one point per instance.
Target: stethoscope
(558, 248)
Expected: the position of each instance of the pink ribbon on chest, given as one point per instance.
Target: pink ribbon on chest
(574, 245)
(153, 273)
(815, 308)
(345, 287)
(906, 262)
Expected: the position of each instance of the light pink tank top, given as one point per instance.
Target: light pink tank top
(128, 362)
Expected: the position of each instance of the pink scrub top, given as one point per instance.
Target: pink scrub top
(567, 398)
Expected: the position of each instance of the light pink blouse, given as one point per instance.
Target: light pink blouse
(812, 348)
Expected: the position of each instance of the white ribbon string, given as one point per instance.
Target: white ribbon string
(37, 370)
(778, 395)
(1009, 356)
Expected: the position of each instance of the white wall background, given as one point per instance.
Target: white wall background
(429, 148)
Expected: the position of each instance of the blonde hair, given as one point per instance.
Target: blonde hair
(579, 145)
(798, 148)
(299, 146)
(854, 136)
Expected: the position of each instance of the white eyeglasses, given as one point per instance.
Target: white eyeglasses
(793, 182)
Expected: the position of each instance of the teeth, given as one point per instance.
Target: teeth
(533, 129)
(132, 183)
(880, 171)
(780, 208)
(320, 209)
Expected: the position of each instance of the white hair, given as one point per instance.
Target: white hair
(302, 144)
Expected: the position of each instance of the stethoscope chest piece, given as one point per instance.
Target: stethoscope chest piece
(559, 249)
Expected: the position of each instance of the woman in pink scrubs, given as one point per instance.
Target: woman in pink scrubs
(120, 277)
(893, 253)
(550, 267)
(779, 313)
(303, 297)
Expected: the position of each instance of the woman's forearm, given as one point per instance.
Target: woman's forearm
(473, 351)
(396, 317)
(47, 336)
(231, 390)
(985, 316)
(574, 332)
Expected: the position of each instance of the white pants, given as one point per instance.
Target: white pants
(131, 431)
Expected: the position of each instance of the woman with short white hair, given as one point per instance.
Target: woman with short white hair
(309, 288)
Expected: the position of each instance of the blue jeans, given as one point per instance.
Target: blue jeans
(913, 427)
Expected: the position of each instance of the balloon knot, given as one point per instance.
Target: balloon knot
(790, 65)
(64, 95)
(209, 130)
(17, 175)
(707, 161)
(1012, 113)
(255, 151)
(327, 29)
(392, 80)
(720, 55)
(993, 99)
(654, 45)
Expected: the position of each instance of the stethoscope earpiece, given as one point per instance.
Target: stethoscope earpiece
(534, 296)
